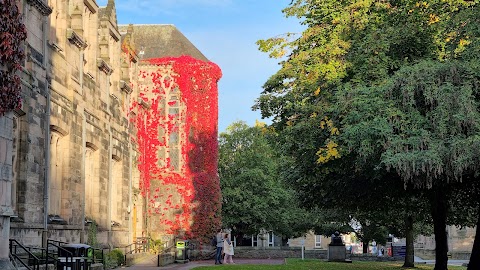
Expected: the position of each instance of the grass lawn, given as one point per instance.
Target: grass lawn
(324, 265)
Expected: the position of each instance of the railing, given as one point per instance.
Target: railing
(53, 254)
(12, 260)
(19, 253)
(101, 259)
(141, 245)
(164, 253)
(32, 257)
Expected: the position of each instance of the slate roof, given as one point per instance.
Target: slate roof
(161, 40)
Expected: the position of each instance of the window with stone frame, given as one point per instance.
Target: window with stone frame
(57, 32)
(174, 136)
(15, 163)
(89, 35)
(116, 202)
(57, 146)
(318, 241)
(92, 182)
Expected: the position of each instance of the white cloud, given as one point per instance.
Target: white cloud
(156, 7)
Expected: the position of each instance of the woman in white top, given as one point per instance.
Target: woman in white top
(227, 249)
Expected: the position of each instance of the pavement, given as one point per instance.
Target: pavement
(450, 262)
(148, 264)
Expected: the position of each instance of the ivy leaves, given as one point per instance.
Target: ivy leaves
(12, 34)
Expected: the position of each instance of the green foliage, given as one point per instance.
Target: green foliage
(156, 246)
(254, 194)
(396, 81)
(92, 235)
(114, 259)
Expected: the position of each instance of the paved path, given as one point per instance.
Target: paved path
(450, 262)
(150, 265)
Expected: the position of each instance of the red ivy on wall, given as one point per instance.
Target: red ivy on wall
(12, 34)
(191, 120)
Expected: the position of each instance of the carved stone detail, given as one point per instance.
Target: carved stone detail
(76, 39)
(42, 7)
(125, 87)
(103, 66)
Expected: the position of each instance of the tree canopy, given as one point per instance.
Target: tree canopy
(255, 197)
(379, 92)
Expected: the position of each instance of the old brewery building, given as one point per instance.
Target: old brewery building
(117, 128)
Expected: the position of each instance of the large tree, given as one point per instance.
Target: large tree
(255, 197)
(425, 122)
(361, 45)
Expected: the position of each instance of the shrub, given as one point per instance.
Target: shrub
(114, 258)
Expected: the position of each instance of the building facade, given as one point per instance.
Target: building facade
(75, 145)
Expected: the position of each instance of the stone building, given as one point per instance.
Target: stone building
(74, 145)
(72, 153)
(176, 118)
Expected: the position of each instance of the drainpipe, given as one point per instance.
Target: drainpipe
(46, 187)
(130, 180)
(110, 178)
(84, 132)
(82, 166)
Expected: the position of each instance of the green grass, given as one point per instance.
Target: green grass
(324, 265)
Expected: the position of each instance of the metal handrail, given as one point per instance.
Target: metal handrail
(99, 260)
(13, 245)
(56, 244)
(54, 256)
(140, 246)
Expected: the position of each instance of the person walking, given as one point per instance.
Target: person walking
(228, 249)
(218, 255)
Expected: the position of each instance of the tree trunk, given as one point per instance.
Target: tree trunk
(239, 239)
(474, 263)
(439, 215)
(409, 254)
(365, 245)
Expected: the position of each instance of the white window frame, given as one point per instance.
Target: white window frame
(318, 241)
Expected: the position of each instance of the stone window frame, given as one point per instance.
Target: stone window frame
(90, 152)
(16, 145)
(59, 135)
(318, 241)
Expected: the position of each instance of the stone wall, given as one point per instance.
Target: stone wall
(5, 187)
(74, 124)
(273, 253)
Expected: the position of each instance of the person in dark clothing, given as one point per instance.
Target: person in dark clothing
(218, 255)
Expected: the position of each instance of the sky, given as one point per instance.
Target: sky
(225, 31)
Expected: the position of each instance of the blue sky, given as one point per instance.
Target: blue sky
(225, 31)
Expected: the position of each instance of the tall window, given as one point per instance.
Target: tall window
(92, 185)
(15, 163)
(174, 136)
(318, 241)
(56, 166)
(87, 14)
(117, 187)
(271, 239)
